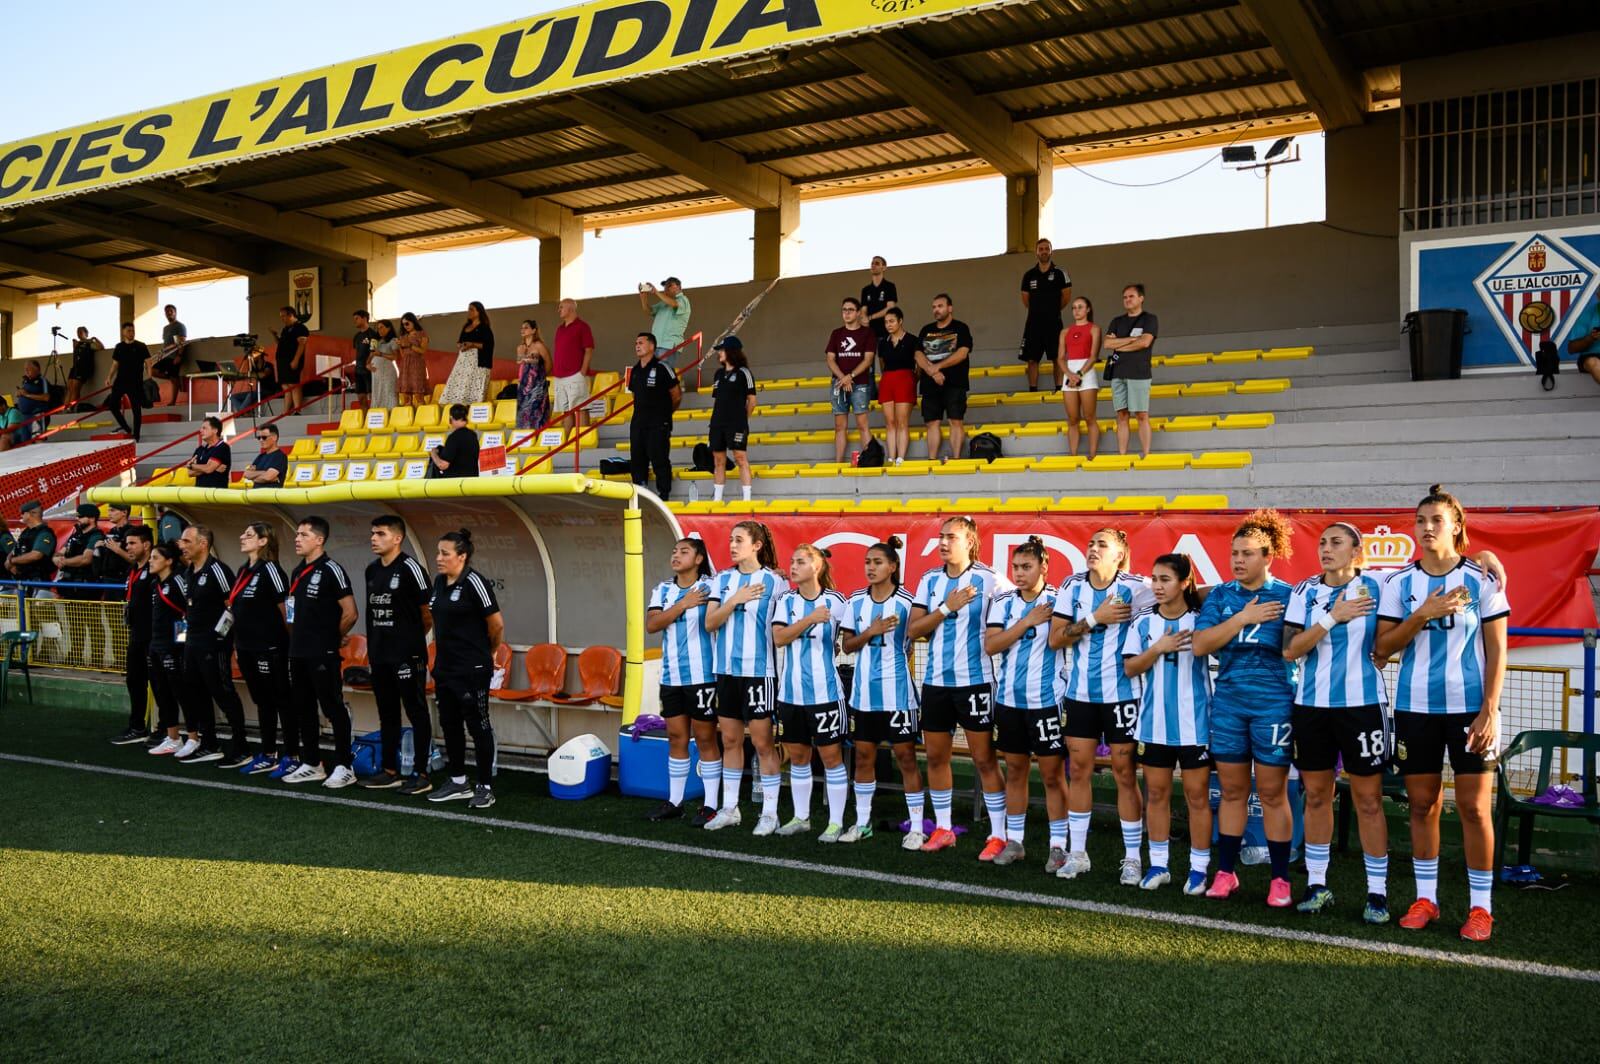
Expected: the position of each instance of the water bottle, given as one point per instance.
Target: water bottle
(408, 752)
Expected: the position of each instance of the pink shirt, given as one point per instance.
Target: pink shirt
(570, 342)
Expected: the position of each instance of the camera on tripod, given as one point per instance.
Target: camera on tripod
(247, 341)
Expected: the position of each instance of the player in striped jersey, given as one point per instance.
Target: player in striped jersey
(677, 612)
(810, 700)
(1174, 717)
(883, 700)
(1093, 609)
(1446, 618)
(1251, 716)
(743, 600)
(1332, 625)
(957, 684)
(1028, 700)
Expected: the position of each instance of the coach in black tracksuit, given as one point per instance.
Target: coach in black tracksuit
(398, 619)
(136, 541)
(321, 612)
(208, 650)
(257, 602)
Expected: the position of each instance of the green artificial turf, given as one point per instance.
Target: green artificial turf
(139, 919)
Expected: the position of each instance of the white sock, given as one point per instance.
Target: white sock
(1016, 825)
(711, 780)
(1132, 836)
(800, 789)
(716, 492)
(677, 778)
(1317, 863)
(838, 791)
(1199, 860)
(864, 793)
(1427, 873)
(731, 779)
(941, 808)
(995, 802)
(1159, 853)
(744, 489)
(770, 787)
(453, 779)
(1078, 829)
(1481, 883)
(1058, 834)
(914, 807)
(1377, 874)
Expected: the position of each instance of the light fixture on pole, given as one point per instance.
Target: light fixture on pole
(198, 178)
(447, 127)
(1243, 157)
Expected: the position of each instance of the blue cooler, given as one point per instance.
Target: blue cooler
(580, 768)
(642, 766)
(367, 753)
(1255, 831)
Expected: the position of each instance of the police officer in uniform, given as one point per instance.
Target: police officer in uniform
(656, 394)
(75, 559)
(33, 557)
(321, 610)
(136, 540)
(398, 619)
(112, 559)
(208, 651)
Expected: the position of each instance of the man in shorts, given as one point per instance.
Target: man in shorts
(1130, 342)
(851, 350)
(946, 346)
(1046, 289)
(572, 355)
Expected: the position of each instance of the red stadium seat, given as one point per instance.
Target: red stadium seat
(547, 669)
(599, 670)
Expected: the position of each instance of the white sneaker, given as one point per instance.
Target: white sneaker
(1077, 864)
(306, 774)
(165, 747)
(913, 840)
(796, 826)
(1131, 872)
(766, 826)
(725, 818)
(342, 777)
(188, 749)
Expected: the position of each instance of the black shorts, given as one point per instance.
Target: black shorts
(746, 698)
(892, 726)
(945, 707)
(1111, 721)
(361, 382)
(819, 725)
(1029, 731)
(1359, 734)
(1586, 356)
(1421, 739)
(943, 402)
(1189, 758)
(728, 437)
(697, 701)
(1039, 345)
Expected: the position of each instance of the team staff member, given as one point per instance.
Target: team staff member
(32, 558)
(656, 395)
(457, 456)
(256, 601)
(212, 458)
(136, 615)
(269, 468)
(208, 650)
(168, 594)
(733, 400)
(468, 629)
(75, 559)
(398, 620)
(1446, 618)
(677, 613)
(1046, 289)
(321, 610)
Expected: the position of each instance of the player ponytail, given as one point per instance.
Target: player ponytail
(820, 560)
(702, 560)
(761, 535)
(1437, 496)
(1035, 548)
(970, 526)
(1121, 537)
(1182, 567)
(1269, 527)
(890, 549)
(460, 542)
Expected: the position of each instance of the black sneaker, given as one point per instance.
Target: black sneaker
(482, 797)
(666, 811)
(130, 736)
(417, 784)
(704, 816)
(452, 792)
(383, 781)
(236, 761)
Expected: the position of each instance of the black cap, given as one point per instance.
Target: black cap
(32, 504)
(728, 343)
(89, 509)
(124, 507)
(671, 280)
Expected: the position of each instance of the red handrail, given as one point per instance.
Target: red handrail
(51, 413)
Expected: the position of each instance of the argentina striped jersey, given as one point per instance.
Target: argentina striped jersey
(686, 646)
(882, 680)
(1175, 709)
(1029, 674)
(1441, 671)
(1338, 673)
(955, 647)
(744, 642)
(809, 676)
(1093, 665)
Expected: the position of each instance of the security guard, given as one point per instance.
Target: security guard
(208, 651)
(137, 540)
(75, 559)
(321, 610)
(656, 394)
(33, 557)
(113, 560)
(398, 619)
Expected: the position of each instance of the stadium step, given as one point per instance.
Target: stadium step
(989, 504)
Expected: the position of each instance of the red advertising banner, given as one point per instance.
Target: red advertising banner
(52, 474)
(1546, 554)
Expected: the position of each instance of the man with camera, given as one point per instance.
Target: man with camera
(668, 308)
(126, 380)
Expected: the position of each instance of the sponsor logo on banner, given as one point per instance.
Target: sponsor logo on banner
(1386, 549)
(1535, 290)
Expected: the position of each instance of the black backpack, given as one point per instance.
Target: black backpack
(871, 456)
(986, 447)
(610, 467)
(1547, 363)
(701, 460)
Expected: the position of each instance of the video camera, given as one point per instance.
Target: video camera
(247, 341)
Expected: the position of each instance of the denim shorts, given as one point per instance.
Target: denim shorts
(858, 398)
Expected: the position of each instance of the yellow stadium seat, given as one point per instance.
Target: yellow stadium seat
(1007, 465)
(694, 415)
(377, 419)
(860, 471)
(1004, 431)
(812, 408)
(388, 467)
(685, 474)
(1021, 504)
(779, 506)
(304, 447)
(377, 445)
(1205, 388)
(827, 506)
(1221, 460)
(1026, 399)
(988, 399)
(812, 382)
(1108, 463)
(926, 505)
(1165, 391)
(700, 506)
(914, 468)
(1188, 360)
(330, 472)
(1264, 386)
(778, 409)
(815, 436)
(981, 504)
(426, 418)
(1008, 371)
(1247, 421)
(787, 469)
(357, 471)
(1198, 502)
(780, 439)
(1035, 430)
(1081, 504)
(958, 465)
(772, 472)
(353, 445)
(1190, 423)
(505, 412)
(1228, 357)
(1162, 462)
(823, 469)
(1285, 354)
(876, 506)
(406, 445)
(1058, 463)
(351, 421)
(438, 393)
(401, 418)
(1138, 503)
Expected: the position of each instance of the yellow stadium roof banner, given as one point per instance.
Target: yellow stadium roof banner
(574, 48)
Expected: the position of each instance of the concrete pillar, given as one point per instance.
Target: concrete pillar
(1029, 210)
(143, 308)
(21, 337)
(777, 235)
(383, 282)
(561, 262)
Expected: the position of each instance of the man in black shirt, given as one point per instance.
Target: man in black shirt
(75, 559)
(33, 557)
(112, 559)
(321, 610)
(366, 336)
(656, 395)
(212, 459)
(270, 468)
(126, 380)
(398, 620)
(136, 615)
(208, 651)
(946, 347)
(877, 297)
(1046, 289)
(291, 360)
(1129, 343)
(457, 456)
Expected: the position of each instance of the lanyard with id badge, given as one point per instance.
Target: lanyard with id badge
(288, 605)
(180, 627)
(225, 622)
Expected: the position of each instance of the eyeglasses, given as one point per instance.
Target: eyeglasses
(263, 439)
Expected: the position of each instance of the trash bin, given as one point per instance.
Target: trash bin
(1436, 337)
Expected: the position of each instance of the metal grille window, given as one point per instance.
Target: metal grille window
(1519, 155)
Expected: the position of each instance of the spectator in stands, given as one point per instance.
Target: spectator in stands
(136, 545)
(946, 348)
(897, 388)
(10, 418)
(291, 359)
(321, 610)
(212, 459)
(32, 558)
(850, 352)
(656, 395)
(385, 353)
(469, 379)
(129, 360)
(733, 400)
(33, 399)
(1075, 359)
(1583, 339)
(877, 297)
(1129, 342)
(361, 376)
(174, 344)
(571, 368)
(113, 559)
(270, 468)
(75, 558)
(468, 630)
(1046, 289)
(668, 308)
(398, 620)
(413, 344)
(255, 373)
(457, 456)
(84, 348)
(533, 377)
